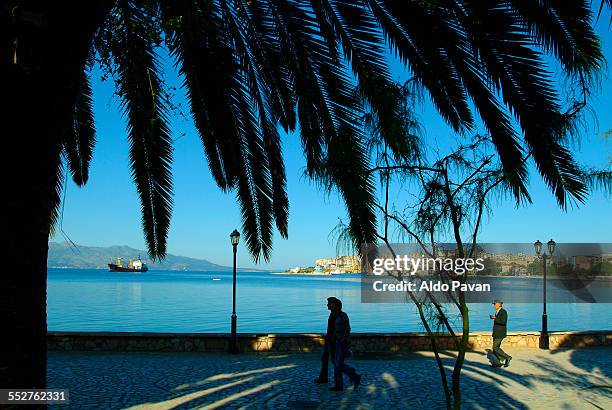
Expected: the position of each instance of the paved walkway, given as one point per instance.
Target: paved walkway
(563, 379)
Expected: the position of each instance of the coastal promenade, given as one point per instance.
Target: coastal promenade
(562, 378)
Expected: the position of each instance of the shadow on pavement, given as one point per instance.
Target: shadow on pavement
(189, 380)
(585, 360)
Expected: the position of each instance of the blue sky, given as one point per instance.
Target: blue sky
(107, 211)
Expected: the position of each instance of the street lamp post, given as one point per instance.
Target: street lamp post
(538, 249)
(233, 345)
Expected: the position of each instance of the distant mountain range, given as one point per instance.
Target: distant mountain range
(64, 255)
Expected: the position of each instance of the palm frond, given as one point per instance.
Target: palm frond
(428, 63)
(329, 110)
(59, 182)
(598, 180)
(488, 37)
(80, 139)
(604, 3)
(418, 20)
(192, 40)
(346, 168)
(364, 49)
(260, 112)
(561, 173)
(520, 72)
(564, 29)
(251, 65)
(304, 52)
(280, 199)
(255, 36)
(236, 125)
(257, 179)
(144, 105)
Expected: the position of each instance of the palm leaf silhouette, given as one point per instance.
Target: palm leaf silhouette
(250, 67)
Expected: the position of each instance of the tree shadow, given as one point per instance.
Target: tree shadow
(588, 350)
(549, 374)
(270, 380)
(585, 360)
(592, 359)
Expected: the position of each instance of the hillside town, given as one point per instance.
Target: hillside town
(497, 264)
(331, 266)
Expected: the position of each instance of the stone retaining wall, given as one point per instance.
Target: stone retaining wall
(295, 342)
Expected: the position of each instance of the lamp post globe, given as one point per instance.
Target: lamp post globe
(538, 248)
(235, 237)
(551, 247)
(233, 345)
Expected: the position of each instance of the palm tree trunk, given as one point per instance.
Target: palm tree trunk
(32, 160)
(24, 280)
(43, 49)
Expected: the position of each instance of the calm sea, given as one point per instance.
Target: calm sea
(159, 301)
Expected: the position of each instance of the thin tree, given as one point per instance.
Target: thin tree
(444, 198)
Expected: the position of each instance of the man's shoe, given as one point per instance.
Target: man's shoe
(319, 380)
(496, 365)
(335, 388)
(357, 381)
(508, 361)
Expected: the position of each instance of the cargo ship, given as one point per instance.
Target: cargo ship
(136, 265)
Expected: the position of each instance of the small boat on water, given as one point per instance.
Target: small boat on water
(135, 265)
(216, 278)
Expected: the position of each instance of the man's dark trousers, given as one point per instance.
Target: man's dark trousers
(328, 353)
(340, 367)
(497, 350)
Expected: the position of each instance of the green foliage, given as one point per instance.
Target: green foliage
(492, 267)
(603, 268)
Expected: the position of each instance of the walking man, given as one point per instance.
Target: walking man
(500, 321)
(329, 346)
(342, 334)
